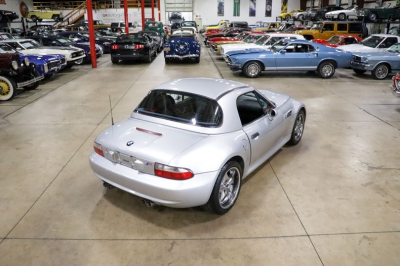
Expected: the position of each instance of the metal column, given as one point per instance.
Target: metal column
(152, 10)
(126, 16)
(91, 33)
(142, 14)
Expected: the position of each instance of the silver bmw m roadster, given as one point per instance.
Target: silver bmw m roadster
(191, 141)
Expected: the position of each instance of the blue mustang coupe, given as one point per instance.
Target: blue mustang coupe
(296, 55)
(182, 44)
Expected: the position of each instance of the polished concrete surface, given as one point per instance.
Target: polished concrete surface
(334, 199)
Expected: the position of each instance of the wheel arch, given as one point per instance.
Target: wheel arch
(255, 60)
(240, 161)
(333, 61)
(384, 63)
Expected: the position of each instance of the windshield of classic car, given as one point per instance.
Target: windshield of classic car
(395, 48)
(262, 40)
(182, 32)
(181, 107)
(316, 26)
(334, 40)
(252, 38)
(29, 44)
(372, 41)
(65, 41)
(4, 48)
(188, 24)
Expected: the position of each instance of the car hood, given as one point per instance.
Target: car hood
(378, 54)
(149, 145)
(248, 51)
(357, 48)
(32, 57)
(52, 48)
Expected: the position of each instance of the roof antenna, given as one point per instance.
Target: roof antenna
(112, 119)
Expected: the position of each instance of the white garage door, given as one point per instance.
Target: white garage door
(179, 5)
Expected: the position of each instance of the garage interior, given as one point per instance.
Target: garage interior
(334, 199)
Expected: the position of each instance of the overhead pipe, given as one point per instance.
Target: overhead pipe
(126, 16)
(143, 14)
(91, 33)
(152, 10)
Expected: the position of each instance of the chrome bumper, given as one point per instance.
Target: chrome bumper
(361, 65)
(183, 56)
(395, 91)
(29, 82)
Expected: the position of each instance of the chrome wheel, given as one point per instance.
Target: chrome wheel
(229, 187)
(299, 127)
(252, 69)
(381, 72)
(79, 62)
(342, 17)
(326, 70)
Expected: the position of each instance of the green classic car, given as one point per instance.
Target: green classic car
(44, 14)
(157, 27)
(374, 14)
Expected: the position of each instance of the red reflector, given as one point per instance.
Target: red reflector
(115, 46)
(139, 46)
(98, 151)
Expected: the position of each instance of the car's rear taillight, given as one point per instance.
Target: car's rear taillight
(115, 46)
(98, 149)
(139, 46)
(171, 172)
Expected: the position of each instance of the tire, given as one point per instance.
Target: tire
(359, 71)
(114, 60)
(7, 88)
(56, 18)
(326, 69)
(148, 57)
(79, 62)
(372, 16)
(380, 72)
(197, 60)
(34, 18)
(252, 69)
(288, 17)
(298, 128)
(301, 17)
(226, 189)
(68, 66)
(32, 86)
(167, 61)
(341, 17)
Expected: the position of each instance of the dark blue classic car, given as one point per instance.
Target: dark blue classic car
(296, 55)
(182, 44)
(46, 65)
(83, 37)
(50, 40)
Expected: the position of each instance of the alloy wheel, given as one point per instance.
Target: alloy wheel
(229, 187)
(299, 127)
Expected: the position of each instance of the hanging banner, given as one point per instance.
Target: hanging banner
(221, 8)
(252, 8)
(268, 8)
(236, 8)
(284, 4)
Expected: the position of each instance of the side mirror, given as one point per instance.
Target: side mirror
(272, 113)
(283, 51)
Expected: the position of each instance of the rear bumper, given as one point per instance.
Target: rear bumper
(121, 56)
(182, 56)
(172, 193)
(29, 82)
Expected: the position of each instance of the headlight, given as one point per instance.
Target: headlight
(14, 65)
(46, 68)
(26, 61)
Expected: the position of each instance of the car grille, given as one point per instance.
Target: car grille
(76, 54)
(54, 64)
(63, 61)
(357, 58)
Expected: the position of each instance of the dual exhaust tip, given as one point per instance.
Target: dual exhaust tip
(144, 201)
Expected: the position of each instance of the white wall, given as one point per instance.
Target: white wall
(207, 9)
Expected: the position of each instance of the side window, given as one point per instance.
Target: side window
(301, 48)
(311, 48)
(388, 42)
(46, 42)
(342, 27)
(349, 40)
(249, 108)
(328, 27)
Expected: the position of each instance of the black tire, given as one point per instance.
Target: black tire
(342, 17)
(326, 69)
(68, 66)
(114, 60)
(167, 61)
(34, 18)
(79, 62)
(231, 170)
(148, 58)
(359, 71)
(197, 60)
(288, 17)
(32, 86)
(7, 88)
(372, 16)
(252, 69)
(381, 71)
(298, 128)
(301, 17)
(56, 18)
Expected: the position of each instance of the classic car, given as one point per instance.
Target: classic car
(7, 36)
(44, 14)
(156, 37)
(232, 127)
(156, 26)
(13, 31)
(133, 46)
(343, 14)
(318, 14)
(131, 27)
(271, 25)
(16, 73)
(381, 64)
(294, 28)
(265, 42)
(27, 46)
(220, 25)
(83, 37)
(396, 86)
(182, 44)
(299, 15)
(289, 55)
(214, 42)
(259, 24)
(228, 33)
(325, 29)
(373, 43)
(7, 16)
(374, 14)
(338, 40)
(288, 15)
(191, 24)
(46, 65)
(282, 27)
(251, 38)
(61, 41)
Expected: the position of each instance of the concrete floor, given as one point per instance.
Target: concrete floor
(334, 199)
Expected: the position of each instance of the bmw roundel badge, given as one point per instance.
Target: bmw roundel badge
(129, 143)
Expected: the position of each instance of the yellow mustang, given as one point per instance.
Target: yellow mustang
(288, 15)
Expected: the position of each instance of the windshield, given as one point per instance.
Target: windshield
(281, 27)
(188, 24)
(316, 26)
(334, 40)
(4, 48)
(262, 40)
(29, 44)
(97, 34)
(395, 48)
(65, 41)
(181, 107)
(6, 37)
(372, 41)
(182, 32)
(85, 35)
(278, 46)
(135, 37)
(252, 38)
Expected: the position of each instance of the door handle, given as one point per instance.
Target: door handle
(255, 135)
